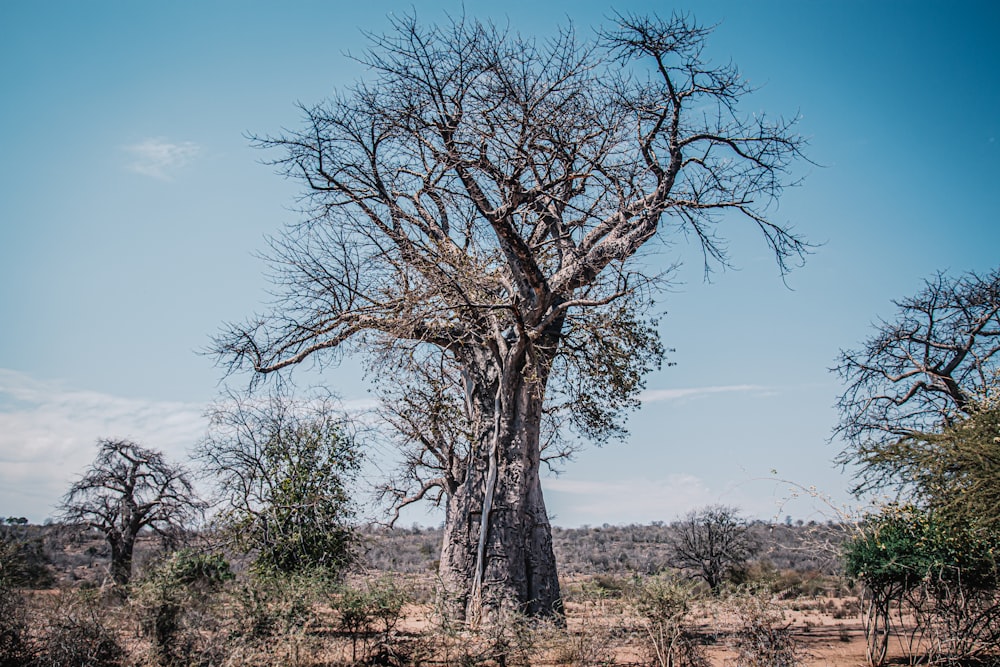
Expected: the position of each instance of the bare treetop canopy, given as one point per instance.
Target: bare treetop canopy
(472, 215)
(528, 172)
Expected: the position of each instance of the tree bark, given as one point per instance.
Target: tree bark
(514, 568)
(458, 552)
(121, 561)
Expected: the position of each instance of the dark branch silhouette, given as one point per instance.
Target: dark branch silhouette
(127, 489)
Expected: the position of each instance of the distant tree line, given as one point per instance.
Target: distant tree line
(643, 549)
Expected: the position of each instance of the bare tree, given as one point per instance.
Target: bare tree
(282, 469)
(920, 372)
(712, 543)
(473, 215)
(127, 489)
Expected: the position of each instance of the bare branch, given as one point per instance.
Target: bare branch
(472, 215)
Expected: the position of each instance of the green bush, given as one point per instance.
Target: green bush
(943, 572)
(284, 468)
(191, 568)
(903, 545)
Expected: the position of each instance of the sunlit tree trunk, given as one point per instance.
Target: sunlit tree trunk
(497, 555)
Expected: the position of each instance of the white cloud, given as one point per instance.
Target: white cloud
(658, 395)
(48, 435)
(159, 158)
(595, 502)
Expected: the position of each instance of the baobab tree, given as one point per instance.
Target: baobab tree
(473, 215)
(129, 488)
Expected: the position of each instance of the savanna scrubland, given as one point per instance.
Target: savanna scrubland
(475, 214)
(624, 604)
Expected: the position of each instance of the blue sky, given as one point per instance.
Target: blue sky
(131, 207)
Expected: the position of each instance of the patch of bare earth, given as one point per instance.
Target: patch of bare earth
(603, 632)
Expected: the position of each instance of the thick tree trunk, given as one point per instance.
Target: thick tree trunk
(519, 572)
(121, 561)
(510, 568)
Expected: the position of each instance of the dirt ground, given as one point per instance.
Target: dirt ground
(825, 635)
(829, 641)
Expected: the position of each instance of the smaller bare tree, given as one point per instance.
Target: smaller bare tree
(924, 370)
(127, 489)
(712, 543)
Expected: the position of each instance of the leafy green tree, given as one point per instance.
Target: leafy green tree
(283, 469)
(954, 473)
(886, 557)
(904, 554)
(921, 417)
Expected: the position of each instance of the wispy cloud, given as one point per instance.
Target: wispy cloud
(159, 158)
(659, 395)
(48, 434)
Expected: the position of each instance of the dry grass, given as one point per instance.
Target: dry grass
(600, 629)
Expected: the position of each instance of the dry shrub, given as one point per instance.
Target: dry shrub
(174, 604)
(510, 639)
(75, 631)
(664, 605)
(271, 618)
(372, 613)
(23, 561)
(954, 623)
(267, 607)
(761, 637)
(590, 646)
(15, 644)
